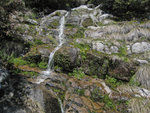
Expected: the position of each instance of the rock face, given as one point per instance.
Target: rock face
(143, 75)
(101, 67)
(140, 47)
(27, 98)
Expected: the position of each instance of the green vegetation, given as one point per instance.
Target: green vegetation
(84, 48)
(133, 82)
(42, 65)
(79, 92)
(87, 22)
(58, 69)
(54, 24)
(123, 54)
(79, 33)
(18, 61)
(109, 104)
(77, 73)
(97, 95)
(112, 82)
(29, 73)
(123, 51)
(38, 42)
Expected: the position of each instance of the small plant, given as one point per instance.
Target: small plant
(18, 61)
(133, 82)
(78, 34)
(33, 65)
(77, 73)
(122, 51)
(96, 94)
(42, 65)
(57, 68)
(29, 73)
(79, 92)
(109, 104)
(112, 82)
(84, 48)
(38, 42)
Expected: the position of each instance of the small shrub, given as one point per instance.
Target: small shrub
(42, 65)
(33, 65)
(79, 92)
(18, 61)
(112, 82)
(29, 73)
(133, 82)
(38, 42)
(77, 73)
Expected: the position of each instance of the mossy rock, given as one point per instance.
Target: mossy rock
(95, 65)
(121, 70)
(67, 58)
(87, 22)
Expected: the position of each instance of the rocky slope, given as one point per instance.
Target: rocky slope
(103, 66)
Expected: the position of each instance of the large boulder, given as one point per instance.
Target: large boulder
(142, 76)
(67, 58)
(26, 97)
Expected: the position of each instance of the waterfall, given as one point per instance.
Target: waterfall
(61, 105)
(50, 61)
(61, 41)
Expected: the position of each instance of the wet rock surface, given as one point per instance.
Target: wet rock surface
(103, 66)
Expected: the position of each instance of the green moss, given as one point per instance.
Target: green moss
(18, 61)
(38, 42)
(96, 94)
(79, 91)
(79, 33)
(112, 82)
(122, 51)
(77, 73)
(52, 39)
(60, 93)
(29, 73)
(42, 65)
(54, 24)
(84, 48)
(109, 104)
(33, 65)
(100, 24)
(133, 82)
(58, 69)
(87, 22)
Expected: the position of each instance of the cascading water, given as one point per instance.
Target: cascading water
(61, 41)
(50, 61)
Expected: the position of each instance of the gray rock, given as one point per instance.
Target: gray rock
(31, 21)
(140, 47)
(114, 49)
(142, 61)
(98, 46)
(28, 38)
(143, 76)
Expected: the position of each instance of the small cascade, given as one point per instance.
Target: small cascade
(50, 61)
(61, 105)
(61, 41)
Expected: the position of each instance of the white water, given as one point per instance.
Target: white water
(61, 105)
(50, 61)
(61, 41)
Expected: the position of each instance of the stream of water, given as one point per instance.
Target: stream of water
(50, 61)
(50, 67)
(61, 41)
